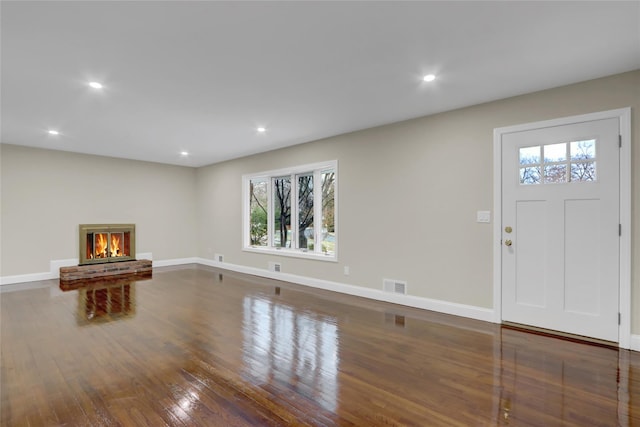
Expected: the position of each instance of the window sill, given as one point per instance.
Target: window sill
(291, 253)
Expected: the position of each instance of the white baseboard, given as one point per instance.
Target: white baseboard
(176, 261)
(469, 311)
(21, 278)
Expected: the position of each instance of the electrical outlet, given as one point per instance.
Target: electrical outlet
(275, 266)
(346, 270)
(218, 257)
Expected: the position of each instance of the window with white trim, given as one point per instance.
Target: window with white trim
(292, 211)
(558, 163)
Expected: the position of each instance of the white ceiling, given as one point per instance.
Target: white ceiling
(201, 76)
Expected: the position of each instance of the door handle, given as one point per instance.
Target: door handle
(508, 243)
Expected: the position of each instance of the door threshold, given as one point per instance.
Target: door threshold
(560, 335)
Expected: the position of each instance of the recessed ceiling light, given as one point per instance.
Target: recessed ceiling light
(95, 85)
(184, 153)
(429, 78)
(261, 129)
(53, 132)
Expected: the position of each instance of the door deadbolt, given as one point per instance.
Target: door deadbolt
(508, 229)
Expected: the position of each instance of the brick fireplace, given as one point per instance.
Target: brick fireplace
(106, 251)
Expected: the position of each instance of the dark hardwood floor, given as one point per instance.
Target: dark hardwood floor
(202, 347)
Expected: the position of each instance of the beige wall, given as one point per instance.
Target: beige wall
(409, 192)
(46, 194)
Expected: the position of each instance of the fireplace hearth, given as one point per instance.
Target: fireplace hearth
(104, 243)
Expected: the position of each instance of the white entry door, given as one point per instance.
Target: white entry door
(560, 228)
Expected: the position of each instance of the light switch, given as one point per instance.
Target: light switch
(483, 216)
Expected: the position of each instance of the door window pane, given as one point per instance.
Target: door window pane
(583, 150)
(530, 175)
(282, 212)
(530, 155)
(555, 153)
(555, 173)
(583, 171)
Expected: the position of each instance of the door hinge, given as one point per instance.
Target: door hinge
(619, 318)
(620, 141)
(619, 229)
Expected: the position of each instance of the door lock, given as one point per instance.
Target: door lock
(508, 242)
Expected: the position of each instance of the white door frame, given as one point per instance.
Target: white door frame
(624, 117)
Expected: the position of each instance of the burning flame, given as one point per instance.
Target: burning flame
(106, 245)
(115, 245)
(101, 245)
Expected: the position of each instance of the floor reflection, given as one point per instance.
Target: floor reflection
(104, 299)
(282, 345)
(546, 379)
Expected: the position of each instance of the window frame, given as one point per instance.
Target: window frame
(567, 163)
(314, 169)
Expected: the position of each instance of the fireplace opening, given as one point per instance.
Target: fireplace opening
(108, 244)
(100, 243)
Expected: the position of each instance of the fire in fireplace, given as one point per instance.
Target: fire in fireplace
(100, 243)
